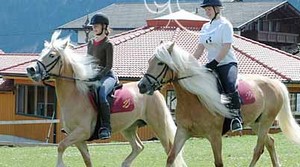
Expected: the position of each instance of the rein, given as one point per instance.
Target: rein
(158, 84)
(47, 73)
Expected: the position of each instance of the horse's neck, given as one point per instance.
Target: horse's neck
(67, 71)
(190, 110)
(182, 94)
(65, 88)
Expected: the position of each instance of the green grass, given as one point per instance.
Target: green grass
(237, 152)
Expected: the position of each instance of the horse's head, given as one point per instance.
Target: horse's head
(158, 71)
(49, 62)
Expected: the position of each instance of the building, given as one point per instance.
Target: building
(275, 23)
(25, 100)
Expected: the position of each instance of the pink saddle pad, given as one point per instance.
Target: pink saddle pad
(246, 94)
(123, 101)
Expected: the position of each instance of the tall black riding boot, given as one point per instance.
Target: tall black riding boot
(235, 108)
(105, 130)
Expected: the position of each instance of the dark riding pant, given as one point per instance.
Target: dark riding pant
(228, 75)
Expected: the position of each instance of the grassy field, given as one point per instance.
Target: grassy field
(237, 152)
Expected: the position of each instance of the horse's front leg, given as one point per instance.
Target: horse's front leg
(181, 137)
(78, 135)
(216, 144)
(82, 147)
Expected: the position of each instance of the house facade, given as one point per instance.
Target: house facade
(21, 99)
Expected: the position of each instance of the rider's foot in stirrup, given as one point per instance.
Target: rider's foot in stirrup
(104, 133)
(236, 125)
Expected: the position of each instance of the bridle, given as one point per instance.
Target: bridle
(157, 84)
(45, 69)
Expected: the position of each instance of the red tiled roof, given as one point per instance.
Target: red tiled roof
(283, 64)
(134, 48)
(14, 62)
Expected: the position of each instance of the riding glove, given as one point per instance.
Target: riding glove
(212, 65)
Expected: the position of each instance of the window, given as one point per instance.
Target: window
(35, 100)
(171, 100)
(295, 102)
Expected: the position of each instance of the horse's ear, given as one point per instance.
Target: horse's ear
(66, 42)
(46, 44)
(170, 49)
(55, 35)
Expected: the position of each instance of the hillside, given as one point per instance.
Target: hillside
(25, 24)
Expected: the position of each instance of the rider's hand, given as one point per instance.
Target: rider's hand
(212, 65)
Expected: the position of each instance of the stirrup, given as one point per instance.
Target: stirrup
(236, 125)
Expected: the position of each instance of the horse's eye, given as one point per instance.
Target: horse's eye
(161, 63)
(51, 55)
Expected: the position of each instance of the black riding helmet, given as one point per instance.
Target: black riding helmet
(206, 3)
(99, 19)
(212, 3)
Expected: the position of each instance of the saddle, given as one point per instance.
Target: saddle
(246, 97)
(120, 100)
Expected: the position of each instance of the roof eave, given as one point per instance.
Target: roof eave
(261, 15)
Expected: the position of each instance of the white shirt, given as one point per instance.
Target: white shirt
(213, 35)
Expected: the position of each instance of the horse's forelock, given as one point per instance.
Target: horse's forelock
(163, 54)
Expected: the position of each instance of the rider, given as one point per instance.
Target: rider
(216, 37)
(102, 49)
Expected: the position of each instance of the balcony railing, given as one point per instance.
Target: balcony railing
(277, 37)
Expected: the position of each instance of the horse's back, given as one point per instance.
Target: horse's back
(268, 97)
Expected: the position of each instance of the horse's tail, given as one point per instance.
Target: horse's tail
(287, 122)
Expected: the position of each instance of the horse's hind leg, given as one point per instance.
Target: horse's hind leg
(271, 149)
(136, 145)
(259, 148)
(264, 139)
(82, 147)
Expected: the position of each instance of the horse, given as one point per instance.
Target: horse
(201, 110)
(72, 73)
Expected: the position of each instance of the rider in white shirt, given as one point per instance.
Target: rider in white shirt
(216, 37)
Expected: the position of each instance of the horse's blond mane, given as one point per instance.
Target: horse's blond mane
(84, 66)
(202, 83)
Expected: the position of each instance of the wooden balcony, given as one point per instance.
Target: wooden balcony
(277, 37)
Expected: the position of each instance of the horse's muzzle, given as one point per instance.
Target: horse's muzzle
(30, 71)
(32, 74)
(142, 87)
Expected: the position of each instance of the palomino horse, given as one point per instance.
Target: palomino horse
(200, 111)
(70, 71)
